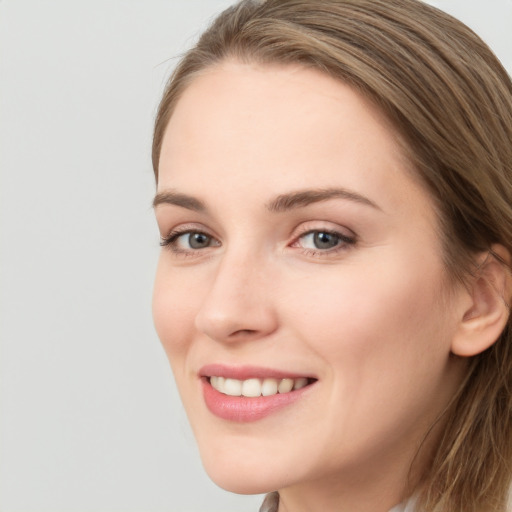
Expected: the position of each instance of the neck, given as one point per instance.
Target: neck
(372, 487)
(380, 496)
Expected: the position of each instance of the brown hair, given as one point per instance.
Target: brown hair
(451, 102)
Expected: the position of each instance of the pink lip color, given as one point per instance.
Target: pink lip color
(247, 372)
(240, 408)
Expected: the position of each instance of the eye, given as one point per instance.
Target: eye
(188, 241)
(323, 241)
(320, 240)
(194, 240)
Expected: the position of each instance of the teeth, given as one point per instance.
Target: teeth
(251, 387)
(300, 383)
(285, 386)
(233, 387)
(269, 387)
(256, 387)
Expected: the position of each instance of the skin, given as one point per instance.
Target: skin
(372, 320)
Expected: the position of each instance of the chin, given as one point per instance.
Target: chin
(242, 475)
(243, 482)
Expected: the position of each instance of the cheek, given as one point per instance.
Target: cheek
(175, 303)
(362, 316)
(384, 342)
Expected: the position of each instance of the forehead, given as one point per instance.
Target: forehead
(237, 99)
(269, 128)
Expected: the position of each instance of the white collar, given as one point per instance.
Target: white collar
(408, 506)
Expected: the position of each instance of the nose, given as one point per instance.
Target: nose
(238, 304)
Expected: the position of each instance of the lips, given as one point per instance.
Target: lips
(245, 394)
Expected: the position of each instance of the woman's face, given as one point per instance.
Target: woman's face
(299, 252)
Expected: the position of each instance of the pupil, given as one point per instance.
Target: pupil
(325, 240)
(198, 240)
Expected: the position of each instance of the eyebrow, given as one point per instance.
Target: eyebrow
(301, 198)
(281, 203)
(178, 199)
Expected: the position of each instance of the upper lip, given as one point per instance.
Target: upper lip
(248, 372)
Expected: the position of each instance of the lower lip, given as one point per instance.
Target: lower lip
(244, 409)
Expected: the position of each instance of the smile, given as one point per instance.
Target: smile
(254, 387)
(247, 394)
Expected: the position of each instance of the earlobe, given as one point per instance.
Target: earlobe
(486, 317)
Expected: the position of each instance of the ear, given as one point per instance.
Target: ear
(488, 312)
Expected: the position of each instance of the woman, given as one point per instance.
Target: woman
(334, 201)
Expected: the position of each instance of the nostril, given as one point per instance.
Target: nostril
(243, 333)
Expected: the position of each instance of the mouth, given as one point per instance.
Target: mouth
(246, 394)
(256, 387)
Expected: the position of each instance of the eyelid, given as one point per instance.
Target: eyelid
(325, 226)
(168, 240)
(347, 238)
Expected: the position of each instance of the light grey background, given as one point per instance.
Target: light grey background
(89, 418)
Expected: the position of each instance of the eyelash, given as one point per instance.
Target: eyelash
(344, 242)
(170, 242)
